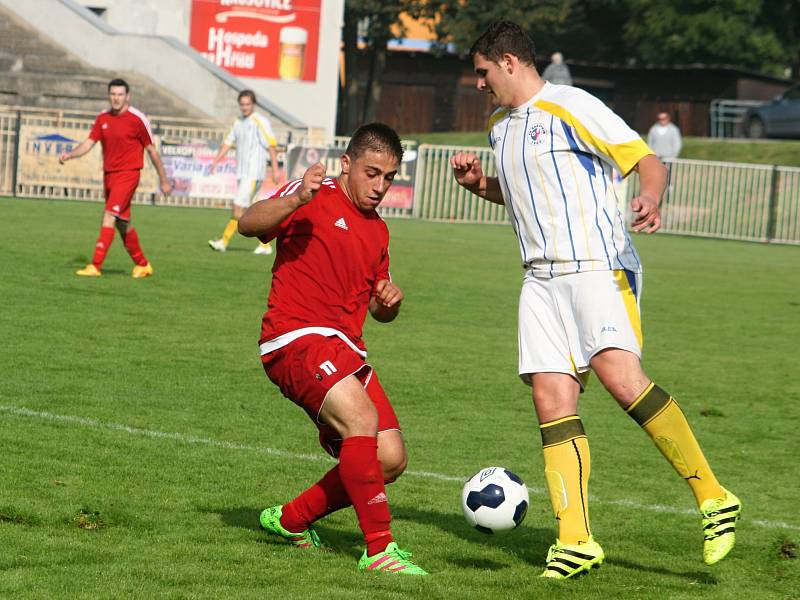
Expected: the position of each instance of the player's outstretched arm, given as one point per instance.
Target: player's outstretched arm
(223, 150)
(164, 185)
(263, 218)
(652, 182)
(469, 174)
(384, 305)
(77, 151)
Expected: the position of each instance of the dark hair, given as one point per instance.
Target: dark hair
(247, 94)
(119, 83)
(377, 137)
(505, 37)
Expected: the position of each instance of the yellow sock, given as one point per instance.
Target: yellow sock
(230, 229)
(265, 245)
(663, 420)
(566, 467)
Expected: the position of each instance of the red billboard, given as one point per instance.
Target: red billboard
(273, 39)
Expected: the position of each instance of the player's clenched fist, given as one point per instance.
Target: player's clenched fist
(312, 181)
(387, 294)
(466, 169)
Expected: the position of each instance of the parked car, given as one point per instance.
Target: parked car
(779, 118)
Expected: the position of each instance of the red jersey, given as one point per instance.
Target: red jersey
(330, 256)
(124, 137)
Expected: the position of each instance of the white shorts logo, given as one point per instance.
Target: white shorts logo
(328, 367)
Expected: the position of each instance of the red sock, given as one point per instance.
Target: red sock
(102, 246)
(322, 498)
(133, 247)
(362, 477)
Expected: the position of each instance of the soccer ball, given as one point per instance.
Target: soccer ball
(494, 500)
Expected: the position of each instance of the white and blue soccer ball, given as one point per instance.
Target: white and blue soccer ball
(494, 500)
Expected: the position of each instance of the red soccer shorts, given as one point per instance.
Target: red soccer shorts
(310, 366)
(119, 187)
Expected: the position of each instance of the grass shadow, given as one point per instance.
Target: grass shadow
(246, 517)
(527, 542)
(702, 577)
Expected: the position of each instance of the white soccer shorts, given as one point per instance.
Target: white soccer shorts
(565, 321)
(246, 191)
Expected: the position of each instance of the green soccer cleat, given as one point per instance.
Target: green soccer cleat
(271, 522)
(568, 560)
(391, 560)
(719, 526)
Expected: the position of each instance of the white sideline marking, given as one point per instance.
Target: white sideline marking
(190, 439)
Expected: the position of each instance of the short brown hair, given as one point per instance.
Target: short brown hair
(119, 83)
(505, 37)
(377, 137)
(247, 94)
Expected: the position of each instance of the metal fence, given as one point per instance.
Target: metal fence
(710, 199)
(727, 117)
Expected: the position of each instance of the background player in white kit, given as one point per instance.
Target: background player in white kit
(253, 137)
(555, 147)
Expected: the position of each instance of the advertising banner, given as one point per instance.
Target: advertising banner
(272, 39)
(400, 195)
(187, 164)
(39, 148)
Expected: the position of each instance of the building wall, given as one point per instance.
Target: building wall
(313, 103)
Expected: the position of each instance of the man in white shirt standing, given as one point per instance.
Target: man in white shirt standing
(664, 137)
(555, 147)
(252, 136)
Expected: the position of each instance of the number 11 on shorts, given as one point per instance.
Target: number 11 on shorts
(328, 367)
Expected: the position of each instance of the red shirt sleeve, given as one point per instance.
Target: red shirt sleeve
(285, 190)
(96, 133)
(144, 135)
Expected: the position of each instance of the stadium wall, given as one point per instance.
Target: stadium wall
(165, 60)
(312, 102)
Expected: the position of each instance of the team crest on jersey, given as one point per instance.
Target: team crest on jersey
(536, 134)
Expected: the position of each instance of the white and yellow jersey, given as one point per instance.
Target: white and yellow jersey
(555, 155)
(252, 137)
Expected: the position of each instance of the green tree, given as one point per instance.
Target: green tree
(372, 21)
(731, 32)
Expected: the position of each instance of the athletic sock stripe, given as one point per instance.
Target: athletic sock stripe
(649, 406)
(561, 431)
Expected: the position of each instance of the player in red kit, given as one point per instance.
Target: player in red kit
(124, 132)
(332, 267)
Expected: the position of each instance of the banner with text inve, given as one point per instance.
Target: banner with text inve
(273, 39)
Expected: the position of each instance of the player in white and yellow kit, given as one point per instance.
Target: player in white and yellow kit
(555, 148)
(253, 138)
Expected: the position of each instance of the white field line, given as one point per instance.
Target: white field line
(190, 439)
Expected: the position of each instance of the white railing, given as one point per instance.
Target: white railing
(710, 199)
(727, 117)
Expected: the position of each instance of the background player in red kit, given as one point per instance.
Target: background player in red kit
(332, 267)
(124, 132)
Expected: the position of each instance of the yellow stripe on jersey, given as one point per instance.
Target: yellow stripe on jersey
(626, 155)
(581, 208)
(497, 116)
(270, 140)
(631, 306)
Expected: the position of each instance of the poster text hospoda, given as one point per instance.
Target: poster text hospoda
(273, 39)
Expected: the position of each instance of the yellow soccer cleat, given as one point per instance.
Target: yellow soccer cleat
(89, 271)
(568, 560)
(719, 526)
(142, 271)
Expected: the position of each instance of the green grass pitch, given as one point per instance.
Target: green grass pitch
(139, 437)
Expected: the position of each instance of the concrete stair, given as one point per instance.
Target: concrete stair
(36, 72)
